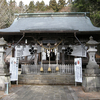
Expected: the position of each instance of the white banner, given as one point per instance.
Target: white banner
(22, 51)
(43, 56)
(78, 69)
(58, 56)
(14, 63)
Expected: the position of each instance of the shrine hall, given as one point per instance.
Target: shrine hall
(47, 43)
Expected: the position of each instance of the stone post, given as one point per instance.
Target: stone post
(4, 75)
(91, 78)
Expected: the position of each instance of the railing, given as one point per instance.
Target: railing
(35, 69)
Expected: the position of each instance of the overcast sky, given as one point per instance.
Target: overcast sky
(28, 1)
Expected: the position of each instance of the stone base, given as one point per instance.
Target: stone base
(46, 79)
(3, 80)
(91, 84)
(92, 71)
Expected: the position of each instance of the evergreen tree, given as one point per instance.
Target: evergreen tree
(21, 5)
(26, 8)
(61, 4)
(92, 6)
(47, 7)
(3, 14)
(31, 8)
(10, 3)
(40, 6)
(37, 5)
(53, 5)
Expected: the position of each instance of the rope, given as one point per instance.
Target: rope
(15, 44)
(52, 47)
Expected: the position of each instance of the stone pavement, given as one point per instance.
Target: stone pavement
(85, 95)
(47, 92)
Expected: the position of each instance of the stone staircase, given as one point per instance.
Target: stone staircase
(49, 79)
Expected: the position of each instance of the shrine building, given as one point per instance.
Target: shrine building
(48, 42)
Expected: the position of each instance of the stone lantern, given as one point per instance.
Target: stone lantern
(4, 75)
(91, 78)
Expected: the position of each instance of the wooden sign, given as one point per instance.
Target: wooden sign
(78, 69)
(14, 63)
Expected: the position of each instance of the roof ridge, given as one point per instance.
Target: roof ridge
(51, 14)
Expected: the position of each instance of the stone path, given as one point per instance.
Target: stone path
(44, 92)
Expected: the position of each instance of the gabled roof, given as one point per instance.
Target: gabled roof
(51, 23)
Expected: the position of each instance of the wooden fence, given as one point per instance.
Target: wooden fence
(35, 69)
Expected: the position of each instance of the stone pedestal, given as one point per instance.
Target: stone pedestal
(91, 78)
(91, 83)
(3, 79)
(4, 75)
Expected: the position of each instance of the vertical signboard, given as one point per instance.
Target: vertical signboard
(14, 63)
(78, 69)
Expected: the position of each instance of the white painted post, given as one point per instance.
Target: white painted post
(49, 55)
(6, 88)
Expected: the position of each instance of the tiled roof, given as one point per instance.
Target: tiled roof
(67, 23)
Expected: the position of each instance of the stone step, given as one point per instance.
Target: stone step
(46, 79)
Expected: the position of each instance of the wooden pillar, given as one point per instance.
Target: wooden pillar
(35, 60)
(25, 58)
(39, 57)
(63, 57)
(13, 52)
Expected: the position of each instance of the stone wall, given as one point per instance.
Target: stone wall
(46, 79)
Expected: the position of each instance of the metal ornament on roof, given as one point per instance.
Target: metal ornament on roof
(32, 51)
(68, 51)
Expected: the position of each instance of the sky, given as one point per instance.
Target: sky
(28, 1)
